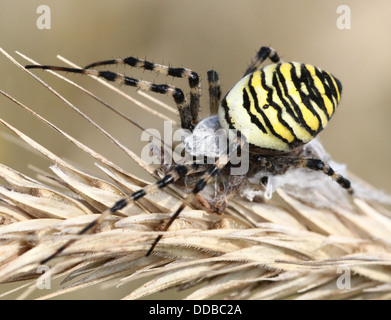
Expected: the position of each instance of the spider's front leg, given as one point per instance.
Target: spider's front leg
(172, 176)
(188, 112)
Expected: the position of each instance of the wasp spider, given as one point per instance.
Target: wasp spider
(277, 109)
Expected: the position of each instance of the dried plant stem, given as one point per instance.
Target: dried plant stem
(305, 243)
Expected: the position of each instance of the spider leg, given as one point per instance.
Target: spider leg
(214, 91)
(193, 78)
(319, 165)
(260, 57)
(177, 173)
(179, 98)
(200, 185)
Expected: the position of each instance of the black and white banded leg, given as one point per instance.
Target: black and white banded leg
(260, 57)
(319, 165)
(214, 91)
(188, 112)
(193, 78)
(312, 164)
(205, 179)
(178, 172)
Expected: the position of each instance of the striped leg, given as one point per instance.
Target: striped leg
(261, 56)
(201, 184)
(174, 175)
(319, 165)
(194, 81)
(176, 93)
(214, 91)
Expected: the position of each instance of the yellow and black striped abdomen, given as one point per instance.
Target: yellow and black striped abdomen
(281, 106)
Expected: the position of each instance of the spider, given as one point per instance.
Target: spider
(274, 111)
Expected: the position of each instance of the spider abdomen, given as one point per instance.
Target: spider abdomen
(281, 106)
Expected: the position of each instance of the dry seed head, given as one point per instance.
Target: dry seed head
(296, 245)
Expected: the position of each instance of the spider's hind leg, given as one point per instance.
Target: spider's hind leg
(260, 57)
(319, 165)
(214, 91)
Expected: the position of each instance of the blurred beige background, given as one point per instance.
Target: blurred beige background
(200, 35)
